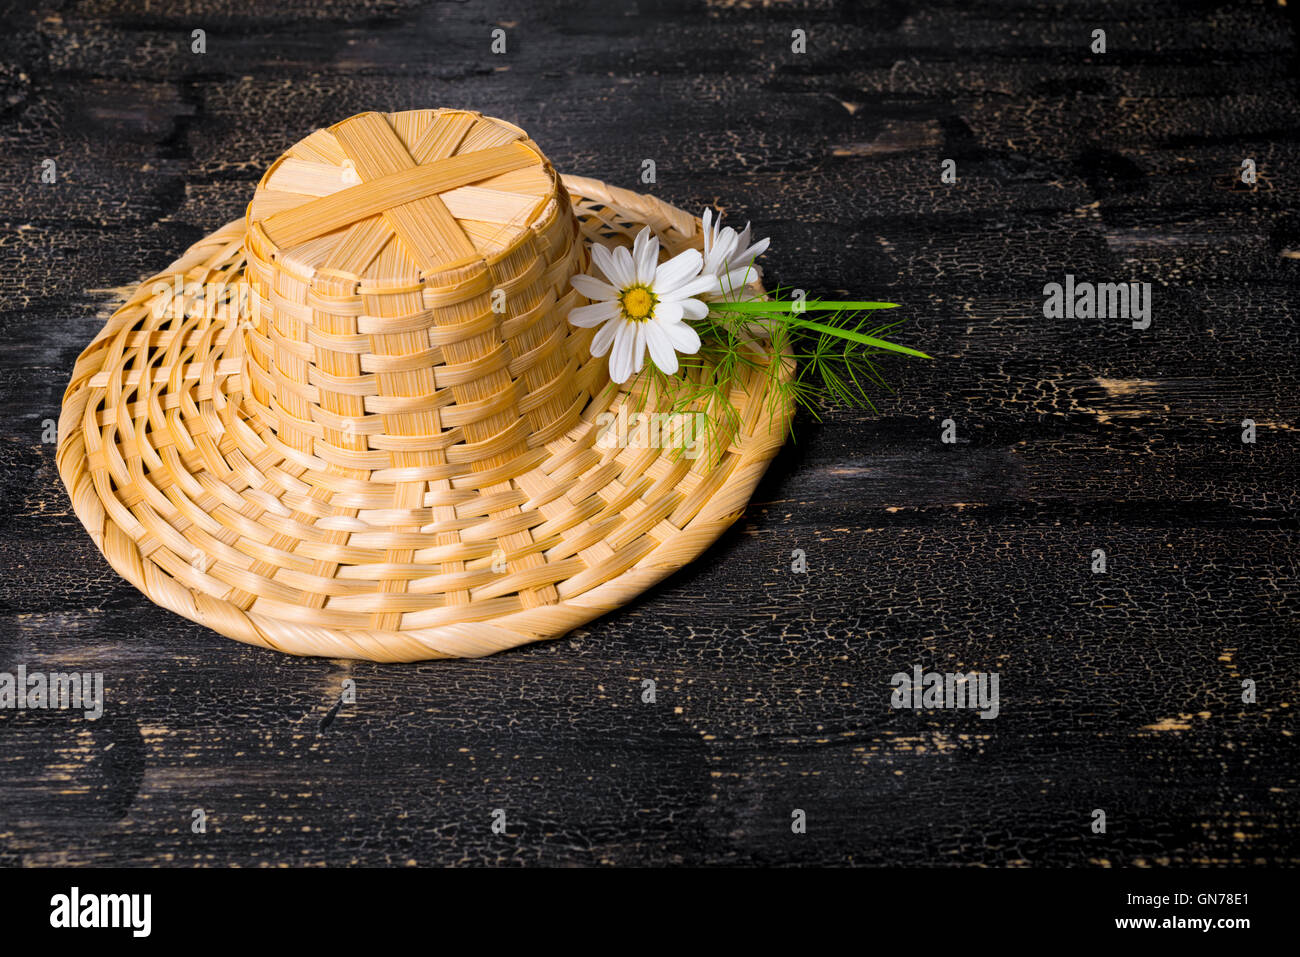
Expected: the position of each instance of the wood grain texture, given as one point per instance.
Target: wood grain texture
(1120, 692)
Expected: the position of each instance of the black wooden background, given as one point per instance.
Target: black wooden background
(1120, 692)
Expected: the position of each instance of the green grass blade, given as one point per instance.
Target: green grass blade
(855, 337)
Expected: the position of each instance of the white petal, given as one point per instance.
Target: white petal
(623, 262)
(701, 286)
(593, 315)
(593, 288)
(606, 262)
(641, 332)
(661, 348)
(645, 253)
(620, 357)
(683, 338)
(750, 253)
(669, 312)
(604, 338)
(722, 250)
(733, 283)
(676, 271)
(692, 309)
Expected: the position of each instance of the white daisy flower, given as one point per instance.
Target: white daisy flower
(643, 306)
(730, 255)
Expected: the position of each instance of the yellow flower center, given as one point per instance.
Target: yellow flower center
(638, 303)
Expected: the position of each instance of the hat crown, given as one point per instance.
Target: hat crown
(410, 286)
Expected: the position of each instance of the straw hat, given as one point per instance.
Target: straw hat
(390, 452)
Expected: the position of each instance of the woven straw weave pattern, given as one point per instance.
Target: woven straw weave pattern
(372, 461)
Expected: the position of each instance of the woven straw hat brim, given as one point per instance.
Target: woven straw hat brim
(195, 504)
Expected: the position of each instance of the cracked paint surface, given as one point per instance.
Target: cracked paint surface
(1119, 691)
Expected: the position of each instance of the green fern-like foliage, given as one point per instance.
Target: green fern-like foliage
(835, 348)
